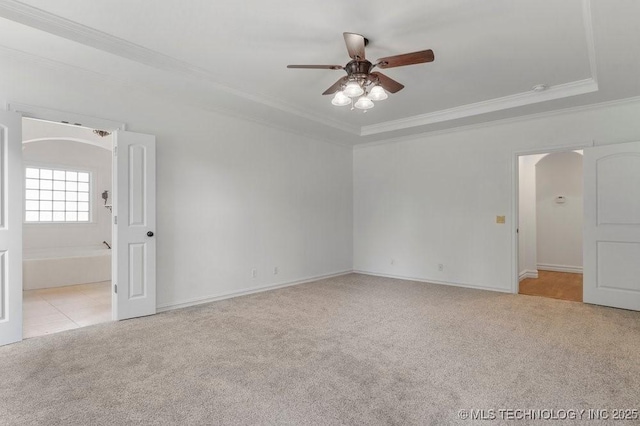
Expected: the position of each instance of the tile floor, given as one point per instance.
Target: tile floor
(51, 310)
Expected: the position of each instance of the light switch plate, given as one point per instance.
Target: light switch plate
(500, 219)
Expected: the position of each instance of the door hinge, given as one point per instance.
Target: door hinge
(115, 288)
(115, 151)
(115, 220)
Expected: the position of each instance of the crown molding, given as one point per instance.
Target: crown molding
(76, 32)
(149, 90)
(587, 19)
(502, 122)
(512, 101)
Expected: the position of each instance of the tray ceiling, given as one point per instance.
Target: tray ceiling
(232, 56)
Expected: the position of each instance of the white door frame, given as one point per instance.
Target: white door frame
(47, 114)
(56, 116)
(515, 202)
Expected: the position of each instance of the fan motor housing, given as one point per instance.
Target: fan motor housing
(358, 69)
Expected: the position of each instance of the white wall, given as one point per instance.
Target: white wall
(72, 155)
(434, 198)
(232, 194)
(527, 255)
(559, 226)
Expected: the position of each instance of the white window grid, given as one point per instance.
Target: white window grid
(54, 195)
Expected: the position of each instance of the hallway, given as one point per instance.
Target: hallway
(556, 285)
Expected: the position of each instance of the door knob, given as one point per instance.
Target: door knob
(149, 234)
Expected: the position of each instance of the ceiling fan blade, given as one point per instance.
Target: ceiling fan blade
(406, 59)
(389, 84)
(317, 67)
(355, 45)
(336, 86)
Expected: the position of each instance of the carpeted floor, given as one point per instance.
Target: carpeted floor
(349, 350)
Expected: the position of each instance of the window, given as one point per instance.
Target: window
(53, 195)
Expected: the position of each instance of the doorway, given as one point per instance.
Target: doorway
(133, 265)
(67, 235)
(550, 225)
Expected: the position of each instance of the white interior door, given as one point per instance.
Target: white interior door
(134, 207)
(11, 186)
(612, 225)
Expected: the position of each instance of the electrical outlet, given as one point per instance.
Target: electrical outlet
(500, 219)
(254, 273)
(275, 271)
(440, 267)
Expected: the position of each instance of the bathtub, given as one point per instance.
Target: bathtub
(56, 267)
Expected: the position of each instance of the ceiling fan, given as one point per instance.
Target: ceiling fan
(361, 81)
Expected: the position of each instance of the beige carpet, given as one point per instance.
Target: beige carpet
(349, 350)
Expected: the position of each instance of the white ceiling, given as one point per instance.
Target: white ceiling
(231, 55)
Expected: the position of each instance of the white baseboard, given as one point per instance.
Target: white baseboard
(250, 290)
(431, 281)
(528, 273)
(560, 268)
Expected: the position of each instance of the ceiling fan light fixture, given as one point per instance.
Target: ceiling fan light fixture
(377, 93)
(364, 103)
(353, 89)
(340, 99)
(361, 86)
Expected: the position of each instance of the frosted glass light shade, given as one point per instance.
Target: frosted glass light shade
(340, 99)
(353, 89)
(377, 93)
(364, 103)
